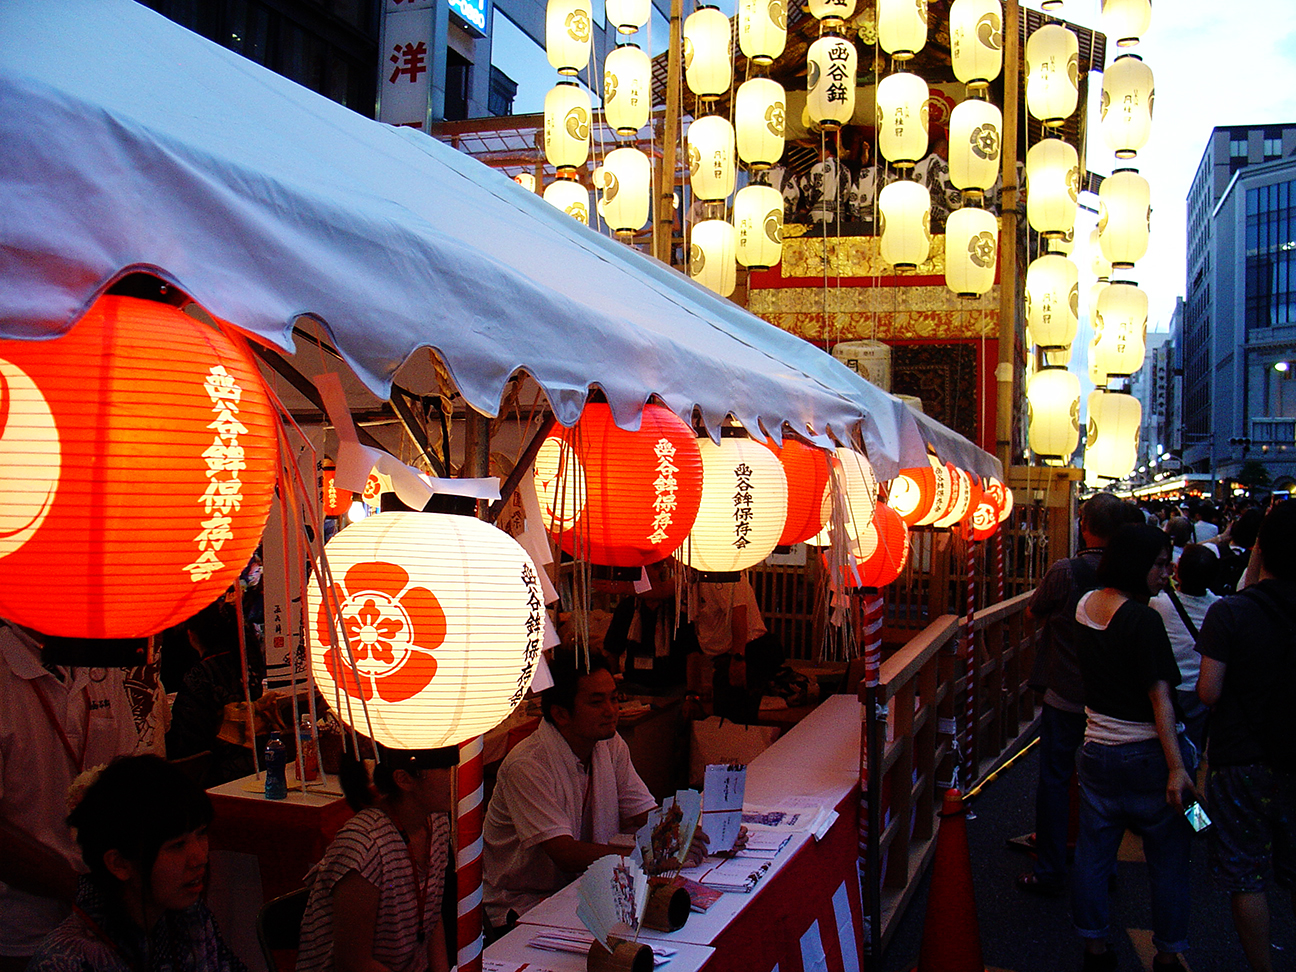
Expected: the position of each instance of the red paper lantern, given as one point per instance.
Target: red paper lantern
(1002, 495)
(137, 466)
(806, 468)
(983, 521)
(336, 501)
(881, 551)
(942, 492)
(618, 498)
(912, 493)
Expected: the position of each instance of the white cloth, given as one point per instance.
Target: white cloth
(540, 794)
(712, 614)
(35, 769)
(1183, 643)
(1203, 531)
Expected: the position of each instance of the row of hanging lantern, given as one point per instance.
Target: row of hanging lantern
(628, 499)
(1117, 309)
(569, 27)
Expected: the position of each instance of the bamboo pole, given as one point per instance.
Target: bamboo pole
(1006, 372)
(670, 138)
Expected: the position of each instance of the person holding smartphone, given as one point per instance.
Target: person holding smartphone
(1135, 765)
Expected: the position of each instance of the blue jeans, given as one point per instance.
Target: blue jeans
(1124, 787)
(1061, 734)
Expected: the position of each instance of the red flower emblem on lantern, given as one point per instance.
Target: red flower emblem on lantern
(392, 628)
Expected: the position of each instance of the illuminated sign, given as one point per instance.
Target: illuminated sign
(473, 13)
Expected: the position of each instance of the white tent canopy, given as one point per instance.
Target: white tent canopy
(129, 143)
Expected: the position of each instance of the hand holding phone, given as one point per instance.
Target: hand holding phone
(1196, 817)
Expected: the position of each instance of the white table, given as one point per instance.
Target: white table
(512, 954)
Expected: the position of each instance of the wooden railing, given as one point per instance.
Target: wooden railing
(922, 732)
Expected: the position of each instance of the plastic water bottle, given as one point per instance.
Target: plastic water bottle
(306, 746)
(276, 762)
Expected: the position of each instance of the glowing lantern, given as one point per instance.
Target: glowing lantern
(569, 196)
(880, 551)
(627, 16)
(1053, 413)
(902, 118)
(912, 493)
(806, 469)
(904, 210)
(526, 180)
(1057, 357)
(982, 520)
(1126, 20)
(1099, 265)
(976, 41)
(1001, 495)
(1053, 300)
(1052, 74)
(964, 493)
(627, 181)
(1111, 446)
(762, 29)
(567, 126)
(744, 507)
(711, 157)
(760, 112)
(902, 27)
(1063, 244)
(1127, 96)
(1120, 329)
(336, 501)
(373, 489)
(137, 466)
(975, 140)
(712, 252)
(832, 12)
(708, 53)
(1124, 217)
(853, 478)
(831, 64)
(971, 251)
(444, 618)
(1097, 376)
(568, 28)
(1053, 187)
(942, 492)
(758, 224)
(624, 499)
(627, 89)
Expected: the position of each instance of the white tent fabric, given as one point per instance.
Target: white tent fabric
(129, 143)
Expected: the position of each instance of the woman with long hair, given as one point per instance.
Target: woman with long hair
(142, 828)
(375, 899)
(1135, 765)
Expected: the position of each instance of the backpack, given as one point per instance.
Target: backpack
(1273, 725)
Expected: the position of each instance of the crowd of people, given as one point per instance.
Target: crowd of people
(1167, 644)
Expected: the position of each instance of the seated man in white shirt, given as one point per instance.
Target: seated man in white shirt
(562, 795)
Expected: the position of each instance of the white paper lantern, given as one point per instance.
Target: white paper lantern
(831, 64)
(902, 27)
(708, 53)
(902, 118)
(1052, 74)
(445, 620)
(832, 12)
(1126, 20)
(711, 157)
(975, 142)
(1053, 412)
(1063, 244)
(976, 41)
(1124, 218)
(627, 16)
(962, 501)
(744, 507)
(1127, 95)
(1120, 329)
(568, 28)
(1057, 357)
(758, 224)
(760, 113)
(854, 479)
(762, 29)
(971, 251)
(712, 251)
(627, 189)
(526, 180)
(627, 89)
(1111, 445)
(942, 492)
(1095, 291)
(1097, 377)
(569, 196)
(904, 212)
(1099, 265)
(1053, 301)
(1052, 186)
(567, 126)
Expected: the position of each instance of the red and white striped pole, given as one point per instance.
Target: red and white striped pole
(999, 565)
(969, 665)
(470, 813)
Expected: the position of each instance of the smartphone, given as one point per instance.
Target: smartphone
(1196, 817)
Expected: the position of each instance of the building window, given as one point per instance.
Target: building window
(503, 90)
(1238, 148)
(1272, 148)
(1271, 256)
(458, 84)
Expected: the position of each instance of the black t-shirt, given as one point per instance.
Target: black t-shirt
(1240, 633)
(1121, 663)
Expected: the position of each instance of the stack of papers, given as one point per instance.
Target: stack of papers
(764, 843)
(579, 942)
(739, 875)
(796, 814)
